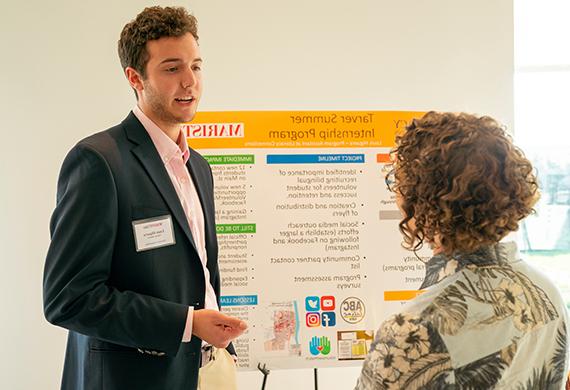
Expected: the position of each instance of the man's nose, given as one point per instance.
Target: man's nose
(189, 79)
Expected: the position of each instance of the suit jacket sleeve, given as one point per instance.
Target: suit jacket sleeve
(77, 295)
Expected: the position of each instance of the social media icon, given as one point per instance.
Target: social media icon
(327, 302)
(313, 319)
(312, 304)
(328, 318)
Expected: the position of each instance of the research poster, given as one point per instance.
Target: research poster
(309, 249)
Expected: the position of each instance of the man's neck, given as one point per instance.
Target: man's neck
(171, 130)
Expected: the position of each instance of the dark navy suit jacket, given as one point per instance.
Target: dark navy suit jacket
(125, 310)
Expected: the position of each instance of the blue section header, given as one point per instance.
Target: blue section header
(315, 158)
(238, 300)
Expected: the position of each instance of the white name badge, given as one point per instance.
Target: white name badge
(153, 233)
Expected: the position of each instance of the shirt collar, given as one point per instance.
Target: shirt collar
(167, 149)
(442, 266)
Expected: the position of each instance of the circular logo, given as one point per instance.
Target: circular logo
(352, 310)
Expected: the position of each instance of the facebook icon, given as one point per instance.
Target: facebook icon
(328, 318)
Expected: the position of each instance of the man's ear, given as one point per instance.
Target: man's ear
(134, 78)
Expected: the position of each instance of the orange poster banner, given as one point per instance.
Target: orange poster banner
(296, 129)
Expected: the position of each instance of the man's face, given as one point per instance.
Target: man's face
(171, 90)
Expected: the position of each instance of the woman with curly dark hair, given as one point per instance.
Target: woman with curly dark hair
(486, 319)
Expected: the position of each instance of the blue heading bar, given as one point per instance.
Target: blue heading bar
(315, 159)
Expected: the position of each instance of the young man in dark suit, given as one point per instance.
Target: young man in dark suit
(132, 268)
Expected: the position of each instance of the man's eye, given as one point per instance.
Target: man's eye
(197, 68)
(172, 70)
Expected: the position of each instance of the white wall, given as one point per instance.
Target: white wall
(60, 80)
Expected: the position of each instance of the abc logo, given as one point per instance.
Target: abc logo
(313, 319)
(352, 310)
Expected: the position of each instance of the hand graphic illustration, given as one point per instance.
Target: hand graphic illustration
(326, 345)
(314, 345)
(320, 345)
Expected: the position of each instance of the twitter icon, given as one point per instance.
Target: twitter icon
(312, 304)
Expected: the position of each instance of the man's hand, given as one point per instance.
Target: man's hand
(216, 328)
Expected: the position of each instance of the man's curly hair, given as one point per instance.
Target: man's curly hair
(460, 178)
(152, 23)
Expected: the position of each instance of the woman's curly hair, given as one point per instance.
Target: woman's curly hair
(460, 178)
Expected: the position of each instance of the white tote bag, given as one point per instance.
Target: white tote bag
(219, 373)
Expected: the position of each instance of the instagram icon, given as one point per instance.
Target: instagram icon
(313, 319)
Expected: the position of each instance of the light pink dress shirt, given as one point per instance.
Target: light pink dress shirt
(174, 156)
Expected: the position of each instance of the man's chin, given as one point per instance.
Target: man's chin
(185, 118)
(188, 117)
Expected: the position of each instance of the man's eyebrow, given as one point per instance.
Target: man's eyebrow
(170, 60)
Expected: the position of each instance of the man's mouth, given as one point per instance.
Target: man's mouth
(185, 99)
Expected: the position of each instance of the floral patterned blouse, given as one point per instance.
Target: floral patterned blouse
(486, 321)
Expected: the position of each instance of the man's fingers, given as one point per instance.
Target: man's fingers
(217, 328)
(233, 322)
(239, 325)
(232, 333)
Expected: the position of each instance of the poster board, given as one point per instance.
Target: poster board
(309, 247)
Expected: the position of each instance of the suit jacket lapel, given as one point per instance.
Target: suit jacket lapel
(146, 153)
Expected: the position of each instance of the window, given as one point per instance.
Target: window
(542, 130)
